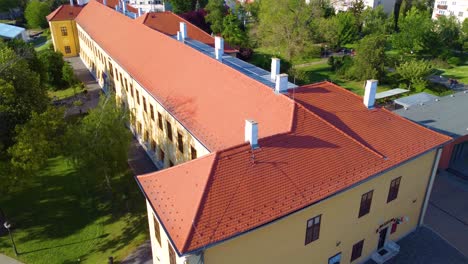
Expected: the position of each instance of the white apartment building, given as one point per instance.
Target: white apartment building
(458, 8)
(148, 5)
(344, 5)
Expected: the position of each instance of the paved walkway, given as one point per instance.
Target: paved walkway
(91, 100)
(7, 260)
(140, 256)
(425, 247)
(447, 213)
(445, 81)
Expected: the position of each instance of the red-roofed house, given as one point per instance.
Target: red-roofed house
(63, 29)
(255, 174)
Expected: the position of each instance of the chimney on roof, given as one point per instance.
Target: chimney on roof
(71, 3)
(183, 30)
(281, 84)
(124, 7)
(251, 133)
(219, 48)
(369, 94)
(104, 2)
(140, 11)
(275, 67)
(179, 36)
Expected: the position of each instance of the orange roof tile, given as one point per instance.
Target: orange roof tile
(113, 3)
(64, 12)
(210, 99)
(334, 143)
(169, 23)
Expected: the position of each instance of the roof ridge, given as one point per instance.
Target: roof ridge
(341, 131)
(54, 13)
(193, 229)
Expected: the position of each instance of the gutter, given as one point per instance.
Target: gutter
(430, 184)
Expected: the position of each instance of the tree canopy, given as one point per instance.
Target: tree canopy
(216, 11)
(232, 31)
(369, 62)
(36, 12)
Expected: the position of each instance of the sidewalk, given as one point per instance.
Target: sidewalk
(7, 260)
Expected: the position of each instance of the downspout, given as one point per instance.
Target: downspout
(435, 165)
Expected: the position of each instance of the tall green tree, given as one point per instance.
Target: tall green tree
(181, 6)
(233, 32)
(38, 140)
(99, 143)
(416, 32)
(376, 21)
(357, 9)
(216, 11)
(448, 29)
(53, 62)
(414, 73)
(464, 35)
(36, 12)
(369, 62)
(287, 25)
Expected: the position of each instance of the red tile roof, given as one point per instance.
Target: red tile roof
(64, 12)
(113, 3)
(210, 99)
(169, 23)
(334, 143)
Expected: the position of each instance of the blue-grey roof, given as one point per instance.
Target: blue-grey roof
(9, 31)
(447, 115)
(390, 93)
(415, 99)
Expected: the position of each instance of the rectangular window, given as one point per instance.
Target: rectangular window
(137, 94)
(180, 142)
(393, 191)
(139, 128)
(152, 112)
(357, 250)
(193, 152)
(67, 49)
(460, 14)
(153, 145)
(160, 121)
(162, 155)
(126, 85)
(64, 31)
(366, 201)
(146, 136)
(157, 232)
(169, 130)
(172, 258)
(116, 74)
(144, 104)
(394, 228)
(313, 229)
(121, 81)
(131, 90)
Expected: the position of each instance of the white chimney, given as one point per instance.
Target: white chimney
(71, 3)
(104, 2)
(183, 30)
(179, 36)
(140, 11)
(251, 133)
(369, 94)
(124, 7)
(219, 48)
(275, 67)
(281, 85)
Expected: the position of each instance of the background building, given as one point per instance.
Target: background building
(344, 5)
(9, 32)
(458, 8)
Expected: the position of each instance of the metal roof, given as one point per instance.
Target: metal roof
(10, 31)
(448, 115)
(246, 68)
(415, 99)
(390, 93)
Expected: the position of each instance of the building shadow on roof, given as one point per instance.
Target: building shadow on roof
(297, 141)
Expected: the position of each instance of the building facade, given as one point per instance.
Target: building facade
(344, 5)
(257, 170)
(63, 30)
(458, 9)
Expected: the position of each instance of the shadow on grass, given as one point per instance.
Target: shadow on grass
(65, 245)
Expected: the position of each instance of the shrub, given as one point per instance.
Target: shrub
(454, 61)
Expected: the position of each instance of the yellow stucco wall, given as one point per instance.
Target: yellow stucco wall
(98, 61)
(283, 241)
(71, 39)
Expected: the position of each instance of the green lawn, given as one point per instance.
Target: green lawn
(63, 217)
(322, 71)
(459, 73)
(61, 94)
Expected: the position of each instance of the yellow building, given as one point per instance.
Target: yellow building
(63, 30)
(262, 171)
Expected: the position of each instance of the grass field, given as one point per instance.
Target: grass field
(322, 71)
(63, 217)
(459, 73)
(61, 94)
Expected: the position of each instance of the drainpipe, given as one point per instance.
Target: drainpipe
(435, 165)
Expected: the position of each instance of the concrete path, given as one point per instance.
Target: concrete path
(91, 99)
(425, 247)
(447, 213)
(140, 256)
(7, 260)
